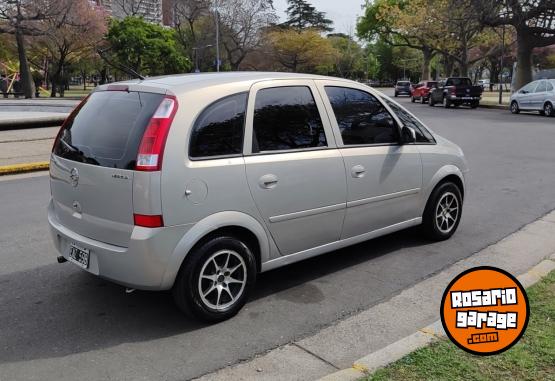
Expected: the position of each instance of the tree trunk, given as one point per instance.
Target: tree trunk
(428, 55)
(28, 85)
(523, 73)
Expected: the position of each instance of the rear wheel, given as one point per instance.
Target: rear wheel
(412, 99)
(514, 107)
(431, 102)
(215, 280)
(446, 102)
(548, 109)
(422, 100)
(396, 94)
(474, 104)
(443, 212)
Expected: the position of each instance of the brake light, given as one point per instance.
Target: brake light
(148, 221)
(453, 90)
(151, 150)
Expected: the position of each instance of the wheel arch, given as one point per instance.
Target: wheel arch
(237, 224)
(446, 173)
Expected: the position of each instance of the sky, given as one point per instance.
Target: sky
(343, 13)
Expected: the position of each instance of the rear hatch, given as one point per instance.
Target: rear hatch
(93, 160)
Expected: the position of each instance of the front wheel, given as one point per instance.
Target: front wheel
(514, 107)
(396, 94)
(548, 109)
(474, 104)
(215, 280)
(443, 212)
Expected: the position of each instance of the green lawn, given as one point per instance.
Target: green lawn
(533, 358)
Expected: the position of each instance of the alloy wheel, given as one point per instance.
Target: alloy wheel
(447, 212)
(222, 279)
(548, 109)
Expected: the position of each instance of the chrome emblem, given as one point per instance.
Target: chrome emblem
(74, 176)
(76, 206)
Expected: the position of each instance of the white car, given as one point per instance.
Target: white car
(536, 96)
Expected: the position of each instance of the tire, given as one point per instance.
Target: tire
(431, 101)
(412, 99)
(232, 266)
(548, 109)
(436, 226)
(514, 107)
(396, 95)
(474, 104)
(422, 100)
(446, 102)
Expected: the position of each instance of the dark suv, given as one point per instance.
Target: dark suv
(402, 88)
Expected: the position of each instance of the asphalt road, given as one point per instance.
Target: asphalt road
(58, 322)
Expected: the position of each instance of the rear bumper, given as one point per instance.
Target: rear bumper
(141, 265)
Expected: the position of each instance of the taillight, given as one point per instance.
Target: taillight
(151, 150)
(453, 90)
(148, 221)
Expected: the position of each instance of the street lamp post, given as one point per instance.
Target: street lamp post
(217, 19)
(501, 67)
(196, 49)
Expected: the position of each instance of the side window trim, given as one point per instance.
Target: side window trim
(268, 84)
(401, 124)
(200, 113)
(321, 85)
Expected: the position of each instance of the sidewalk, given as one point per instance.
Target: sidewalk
(372, 338)
(26, 146)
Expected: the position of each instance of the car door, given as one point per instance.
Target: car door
(537, 98)
(525, 94)
(384, 178)
(294, 170)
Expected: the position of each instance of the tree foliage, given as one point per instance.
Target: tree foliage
(146, 48)
(302, 15)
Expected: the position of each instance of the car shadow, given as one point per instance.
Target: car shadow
(59, 310)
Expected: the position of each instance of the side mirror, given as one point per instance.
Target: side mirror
(408, 135)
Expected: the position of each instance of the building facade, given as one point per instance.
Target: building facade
(150, 10)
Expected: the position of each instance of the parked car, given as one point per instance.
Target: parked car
(197, 183)
(421, 91)
(485, 83)
(402, 88)
(536, 96)
(456, 91)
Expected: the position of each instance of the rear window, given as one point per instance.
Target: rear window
(459, 82)
(431, 84)
(107, 128)
(403, 83)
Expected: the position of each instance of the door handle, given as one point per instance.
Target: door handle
(268, 181)
(358, 171)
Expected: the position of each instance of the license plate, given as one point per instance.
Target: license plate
(79, 256)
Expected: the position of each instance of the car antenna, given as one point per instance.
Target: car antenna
(121, 67)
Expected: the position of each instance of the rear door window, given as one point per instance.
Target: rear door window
(219, 129)
(542, 87)
(286, 118)
(107, 128)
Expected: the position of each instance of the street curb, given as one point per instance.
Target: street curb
(495, 107)
(23, 168)
(368, 364)
(20, 123)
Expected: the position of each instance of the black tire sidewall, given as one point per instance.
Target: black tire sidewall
(514, 110)
(429, 222)
(186, 293)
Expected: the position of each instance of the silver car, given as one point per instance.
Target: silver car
(536, 96)
(197, 183)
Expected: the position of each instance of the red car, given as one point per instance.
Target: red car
(421, 91)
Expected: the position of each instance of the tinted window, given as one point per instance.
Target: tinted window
(218, 130)
(361, 117)
(542, 87)
(286, 118)
(458, 82)
(431, 84)
(403, 84)
(549, 86)
(422, 134)
(107, 128)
